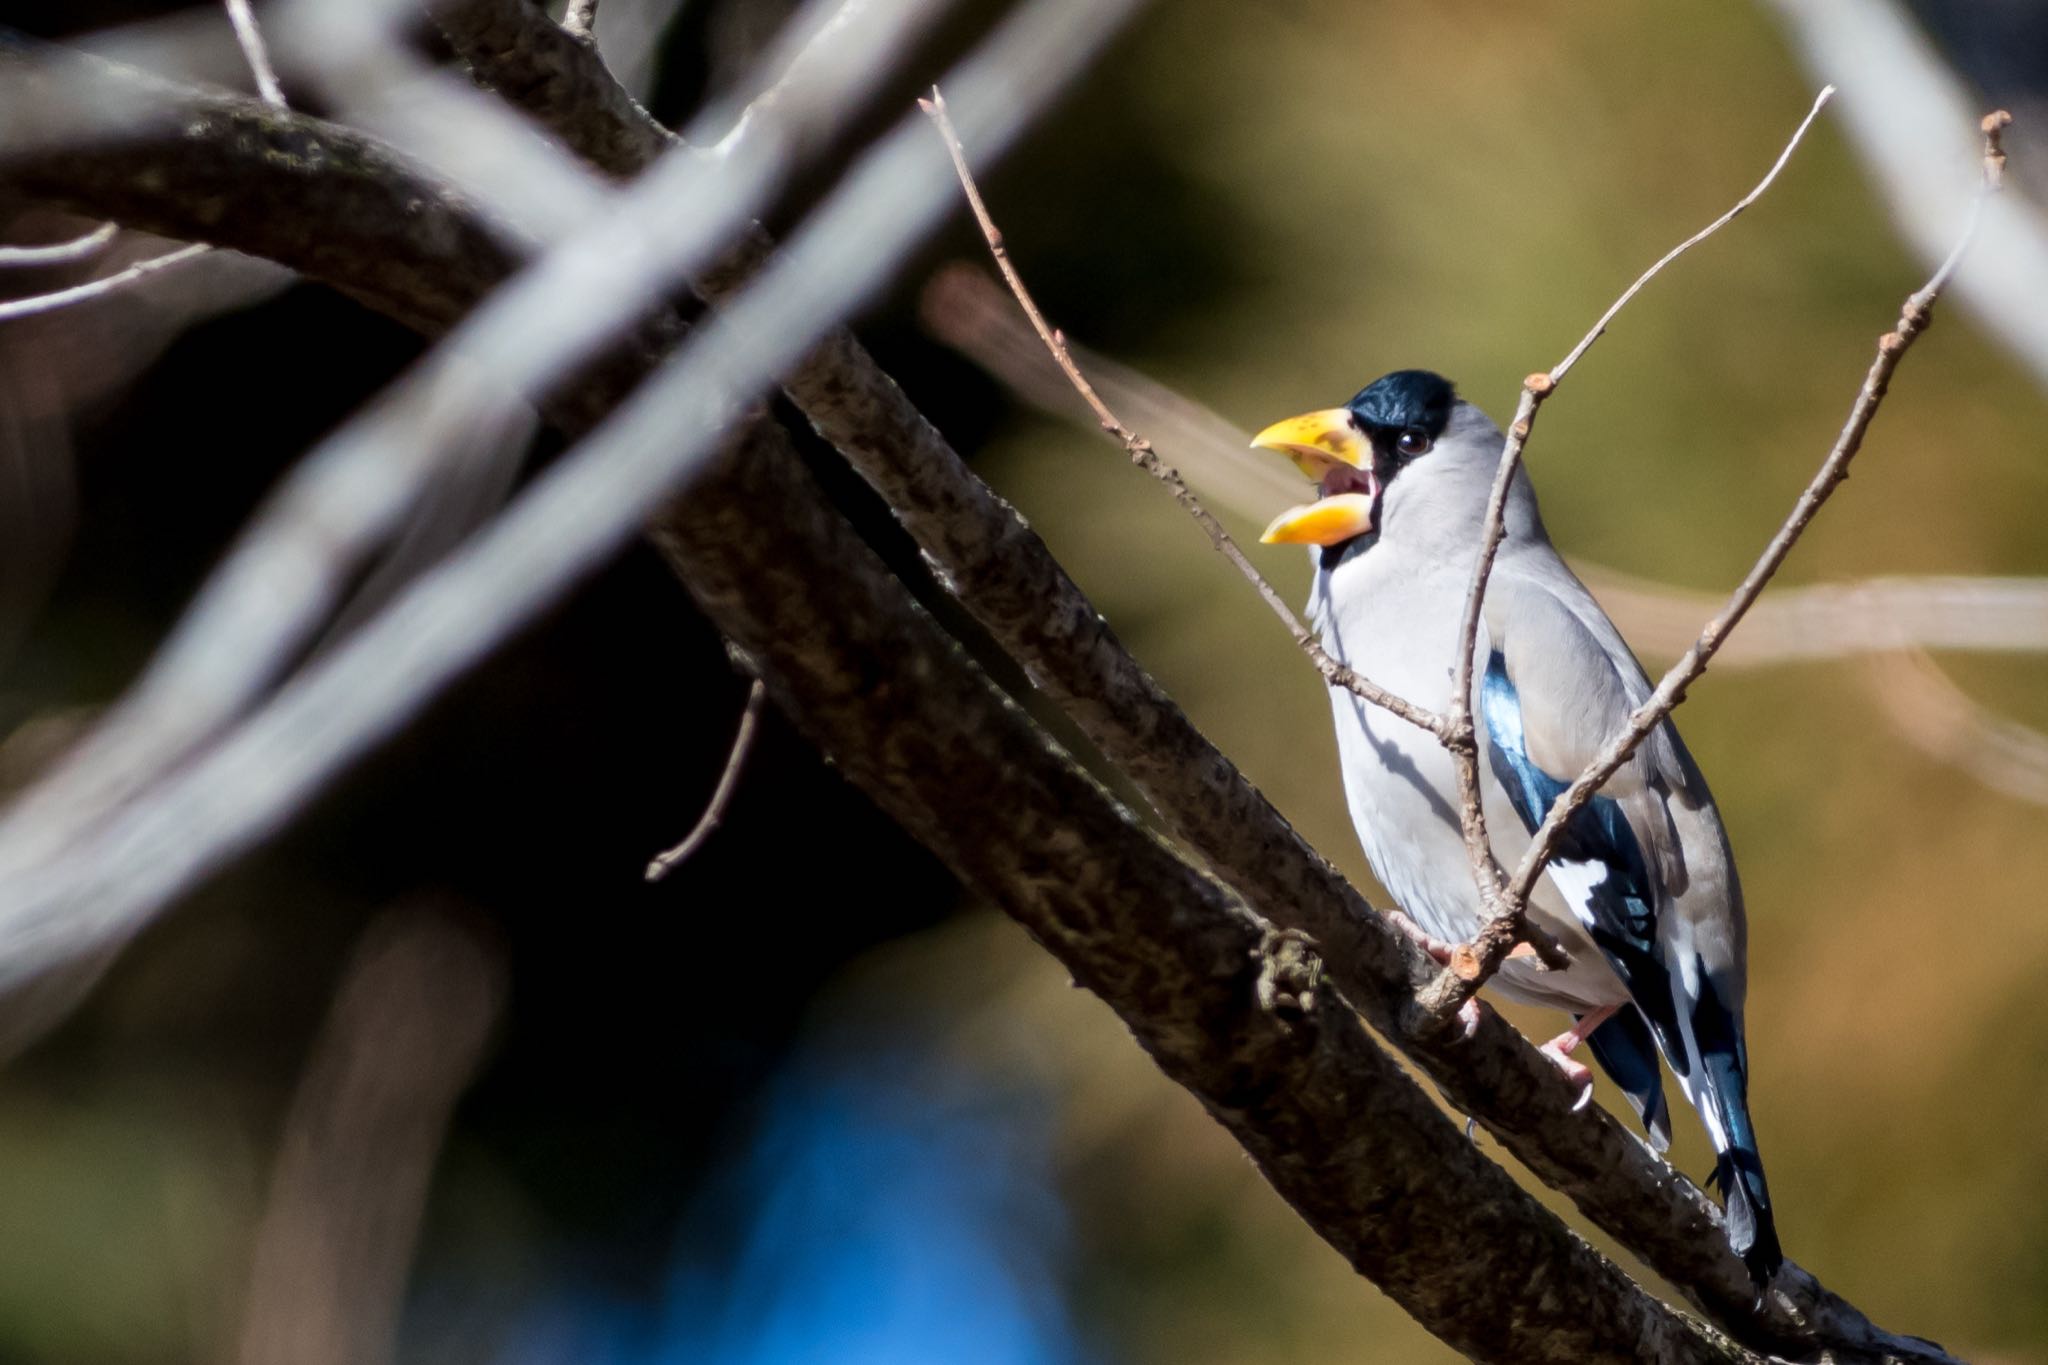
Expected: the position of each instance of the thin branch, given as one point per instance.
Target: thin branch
(1905, 114)
(1491, 946)
(1504, 907)
(721, 796)
(409, 1026)
(59, 253)
(1599, 328)
(976, 316)
(580, 20)
(256, 52)
(1143, 455)
(1944, 722)
(92, 289)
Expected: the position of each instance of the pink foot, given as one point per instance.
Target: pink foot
(1560, 1049)
(1576, 1072)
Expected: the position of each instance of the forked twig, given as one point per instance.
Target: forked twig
(721, 796)
(1504, 904)
(1494, 942)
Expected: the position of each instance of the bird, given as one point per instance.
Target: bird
(1642, 892)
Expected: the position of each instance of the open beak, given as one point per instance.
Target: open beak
(1328, 447)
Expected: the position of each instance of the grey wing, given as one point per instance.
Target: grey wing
(1551, 696)
(1645, 865)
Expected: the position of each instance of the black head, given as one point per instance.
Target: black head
(1354, 453)
(1403, 414)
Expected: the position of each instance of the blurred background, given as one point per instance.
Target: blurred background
(803, 1101)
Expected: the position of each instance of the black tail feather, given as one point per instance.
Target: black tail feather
(1738, 1170)
(1752, 1232)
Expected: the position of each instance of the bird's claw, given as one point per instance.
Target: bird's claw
(1558, 1050)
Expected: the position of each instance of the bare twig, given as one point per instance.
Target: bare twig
(409, 1026)
(581, 19)
(1490, 948)
(1599, 328)
(1948, 725)
(92, 289)
(1506, 920)
(1145, 457)
(1906, 115)
(59, 253)
(721, 796)
(256, 51)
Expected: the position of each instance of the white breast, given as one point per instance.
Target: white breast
(1395, 621)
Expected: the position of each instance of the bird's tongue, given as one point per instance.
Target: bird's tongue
(1349, 506)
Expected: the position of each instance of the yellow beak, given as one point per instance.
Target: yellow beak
(1315, 440)
(1326, 521)
(1319, 442)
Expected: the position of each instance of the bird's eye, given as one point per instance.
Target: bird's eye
(1413, 442)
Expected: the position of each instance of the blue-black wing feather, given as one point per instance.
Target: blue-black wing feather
(1621, 915)
(1620, 911)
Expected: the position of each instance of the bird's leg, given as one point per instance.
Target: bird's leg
(1439, 952)
(1559, 1050)
(1417, 935)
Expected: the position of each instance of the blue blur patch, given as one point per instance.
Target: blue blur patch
(869, 1223)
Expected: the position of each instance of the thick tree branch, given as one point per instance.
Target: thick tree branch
(555, 75)
(1406, 1200)
(1007, 573)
